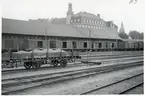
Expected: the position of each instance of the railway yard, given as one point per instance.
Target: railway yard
(117, 72)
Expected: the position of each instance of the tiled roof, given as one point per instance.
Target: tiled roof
(97, 34)
(85, 14)
(33, 28)
(133, 40)
(59, 21)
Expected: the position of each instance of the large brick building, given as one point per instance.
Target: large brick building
(78, 31)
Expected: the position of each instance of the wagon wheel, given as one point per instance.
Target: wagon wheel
(36, 65)
(27, 65)
(72, 60)
(63, 63)
(54, 63)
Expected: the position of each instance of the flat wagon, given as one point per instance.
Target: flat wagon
(38, 57)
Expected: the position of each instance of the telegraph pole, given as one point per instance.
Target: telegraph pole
(117, 46)
(89, 45)
(46, 42)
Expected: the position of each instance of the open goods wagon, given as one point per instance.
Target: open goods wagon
(36, 58)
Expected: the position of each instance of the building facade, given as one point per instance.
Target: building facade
(77, 31)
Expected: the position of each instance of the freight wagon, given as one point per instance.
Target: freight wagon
(38, 57)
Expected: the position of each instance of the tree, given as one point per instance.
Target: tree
(123, 35)
(136, 35)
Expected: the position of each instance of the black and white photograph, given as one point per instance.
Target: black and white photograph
(72, 47)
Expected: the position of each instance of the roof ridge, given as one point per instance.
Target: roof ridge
(13, 19)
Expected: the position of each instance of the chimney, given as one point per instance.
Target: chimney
(98, 15)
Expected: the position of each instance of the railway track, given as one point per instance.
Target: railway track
(71, 65)
(101, 89)
(112, 53)
(94, 55)
(10, 86)
(123, 92)
(112, 57)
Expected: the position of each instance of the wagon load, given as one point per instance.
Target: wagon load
(59, 53)
(21, 55)
(36, 53)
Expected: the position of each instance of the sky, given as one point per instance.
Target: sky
(132, 15)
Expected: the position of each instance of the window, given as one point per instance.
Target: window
(78, 20)
(84, 20)
(74, 44)
(106, 44)
(53, 44)
(6, 36)
(39, 44)
(9, 44)
(112, 45)
(71, 20)
(100, 45)
(75, 20)
(9, 36)
(85, 44)
(64, 44)
(92, 45)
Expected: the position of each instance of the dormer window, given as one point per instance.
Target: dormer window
(75, 20)
(112, 25)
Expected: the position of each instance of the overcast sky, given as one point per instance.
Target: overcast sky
(132, 15)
